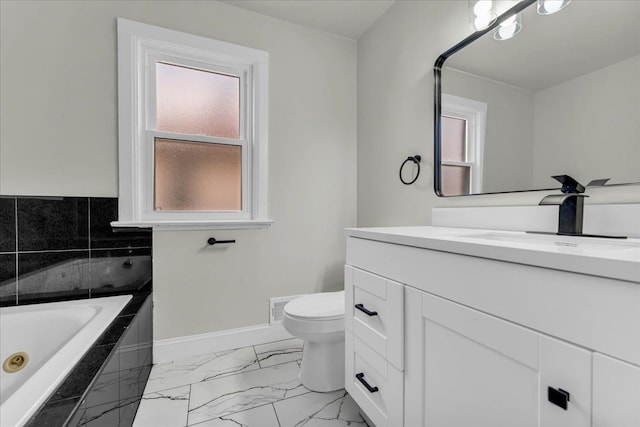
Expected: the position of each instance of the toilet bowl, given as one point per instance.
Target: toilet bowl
(318, 319)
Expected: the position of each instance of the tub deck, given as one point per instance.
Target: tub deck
(55, 336)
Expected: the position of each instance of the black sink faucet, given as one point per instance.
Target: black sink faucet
(571, 205)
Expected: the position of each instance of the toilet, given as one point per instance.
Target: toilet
(318, 319)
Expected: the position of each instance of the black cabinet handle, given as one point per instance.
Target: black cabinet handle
(558, 397)
(212, 241)
(365, 311)
(364, 382)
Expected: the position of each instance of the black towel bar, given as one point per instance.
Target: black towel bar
(212, 241)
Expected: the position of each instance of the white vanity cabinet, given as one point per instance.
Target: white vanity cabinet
(491, 343)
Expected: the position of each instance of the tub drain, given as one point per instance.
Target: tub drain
(15, 362)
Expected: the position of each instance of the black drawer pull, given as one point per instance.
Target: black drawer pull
(365, 311)
(364, 382)
(558, 397)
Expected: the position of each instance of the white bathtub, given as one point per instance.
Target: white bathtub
(55, 336)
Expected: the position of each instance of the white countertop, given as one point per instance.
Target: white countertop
(612, 258)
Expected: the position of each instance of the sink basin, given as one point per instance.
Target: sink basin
(551, 241)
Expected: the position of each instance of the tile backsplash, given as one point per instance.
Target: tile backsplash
(64, 247)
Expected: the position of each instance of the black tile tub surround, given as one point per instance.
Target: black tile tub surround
(119, 269)
(53, 223)
(64, 248)
(8, 239)
(105, 387)
(8, 278)
(103, 211)
(42, 274)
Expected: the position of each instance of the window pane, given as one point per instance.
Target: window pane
(454, 139)
(197, 102)
(456, 180)
(197, 176)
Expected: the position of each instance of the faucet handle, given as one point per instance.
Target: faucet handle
(559, 199)
(569, 185)
(598, 182)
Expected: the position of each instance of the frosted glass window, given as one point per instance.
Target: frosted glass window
(196, 176)
(456, 180)
(197, 102)
(454, 139)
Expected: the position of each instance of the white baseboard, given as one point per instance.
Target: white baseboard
(171, 349)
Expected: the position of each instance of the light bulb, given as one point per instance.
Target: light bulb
(553, 5)
(547, 7)
(483, 21)
(508, 28)
(507, 31)
(481, 14)
(482, 7)
(509, 22)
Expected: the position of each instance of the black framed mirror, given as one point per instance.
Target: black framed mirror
(562, 96)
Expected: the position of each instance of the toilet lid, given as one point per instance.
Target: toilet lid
(324, 305)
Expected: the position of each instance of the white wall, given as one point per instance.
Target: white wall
(598, 110)
(395, 116)
(58, 137)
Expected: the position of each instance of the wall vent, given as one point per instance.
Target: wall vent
(276, 308)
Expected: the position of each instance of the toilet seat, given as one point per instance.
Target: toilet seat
(324, 306)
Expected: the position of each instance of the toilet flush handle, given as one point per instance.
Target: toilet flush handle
(365, 311)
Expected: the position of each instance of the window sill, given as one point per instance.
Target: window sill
(195, 225)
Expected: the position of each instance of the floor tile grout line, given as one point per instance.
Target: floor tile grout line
(228, 375)
(232, 413)
(167, 389)
(258, 406)
(257, 358)
(276, 412)
(188, 407)
(273, 403)
(206, 381)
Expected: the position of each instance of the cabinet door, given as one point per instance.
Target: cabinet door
(465, 368)
(565, 378)
(616, 393)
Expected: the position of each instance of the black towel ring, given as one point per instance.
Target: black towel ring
(415, 159)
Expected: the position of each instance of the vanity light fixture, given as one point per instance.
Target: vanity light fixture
(481, 13)
(547, 7)
(509, 28)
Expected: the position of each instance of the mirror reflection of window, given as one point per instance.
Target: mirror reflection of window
(456, 176)
(462, 124)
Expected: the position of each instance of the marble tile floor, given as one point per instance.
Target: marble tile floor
(254, 386)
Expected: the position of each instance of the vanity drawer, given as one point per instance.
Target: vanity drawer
(374, 313)
(364, 368)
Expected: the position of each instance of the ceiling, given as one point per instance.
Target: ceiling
(347, 18)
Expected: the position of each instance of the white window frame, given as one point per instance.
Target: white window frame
(140, 47)
(475, 115)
